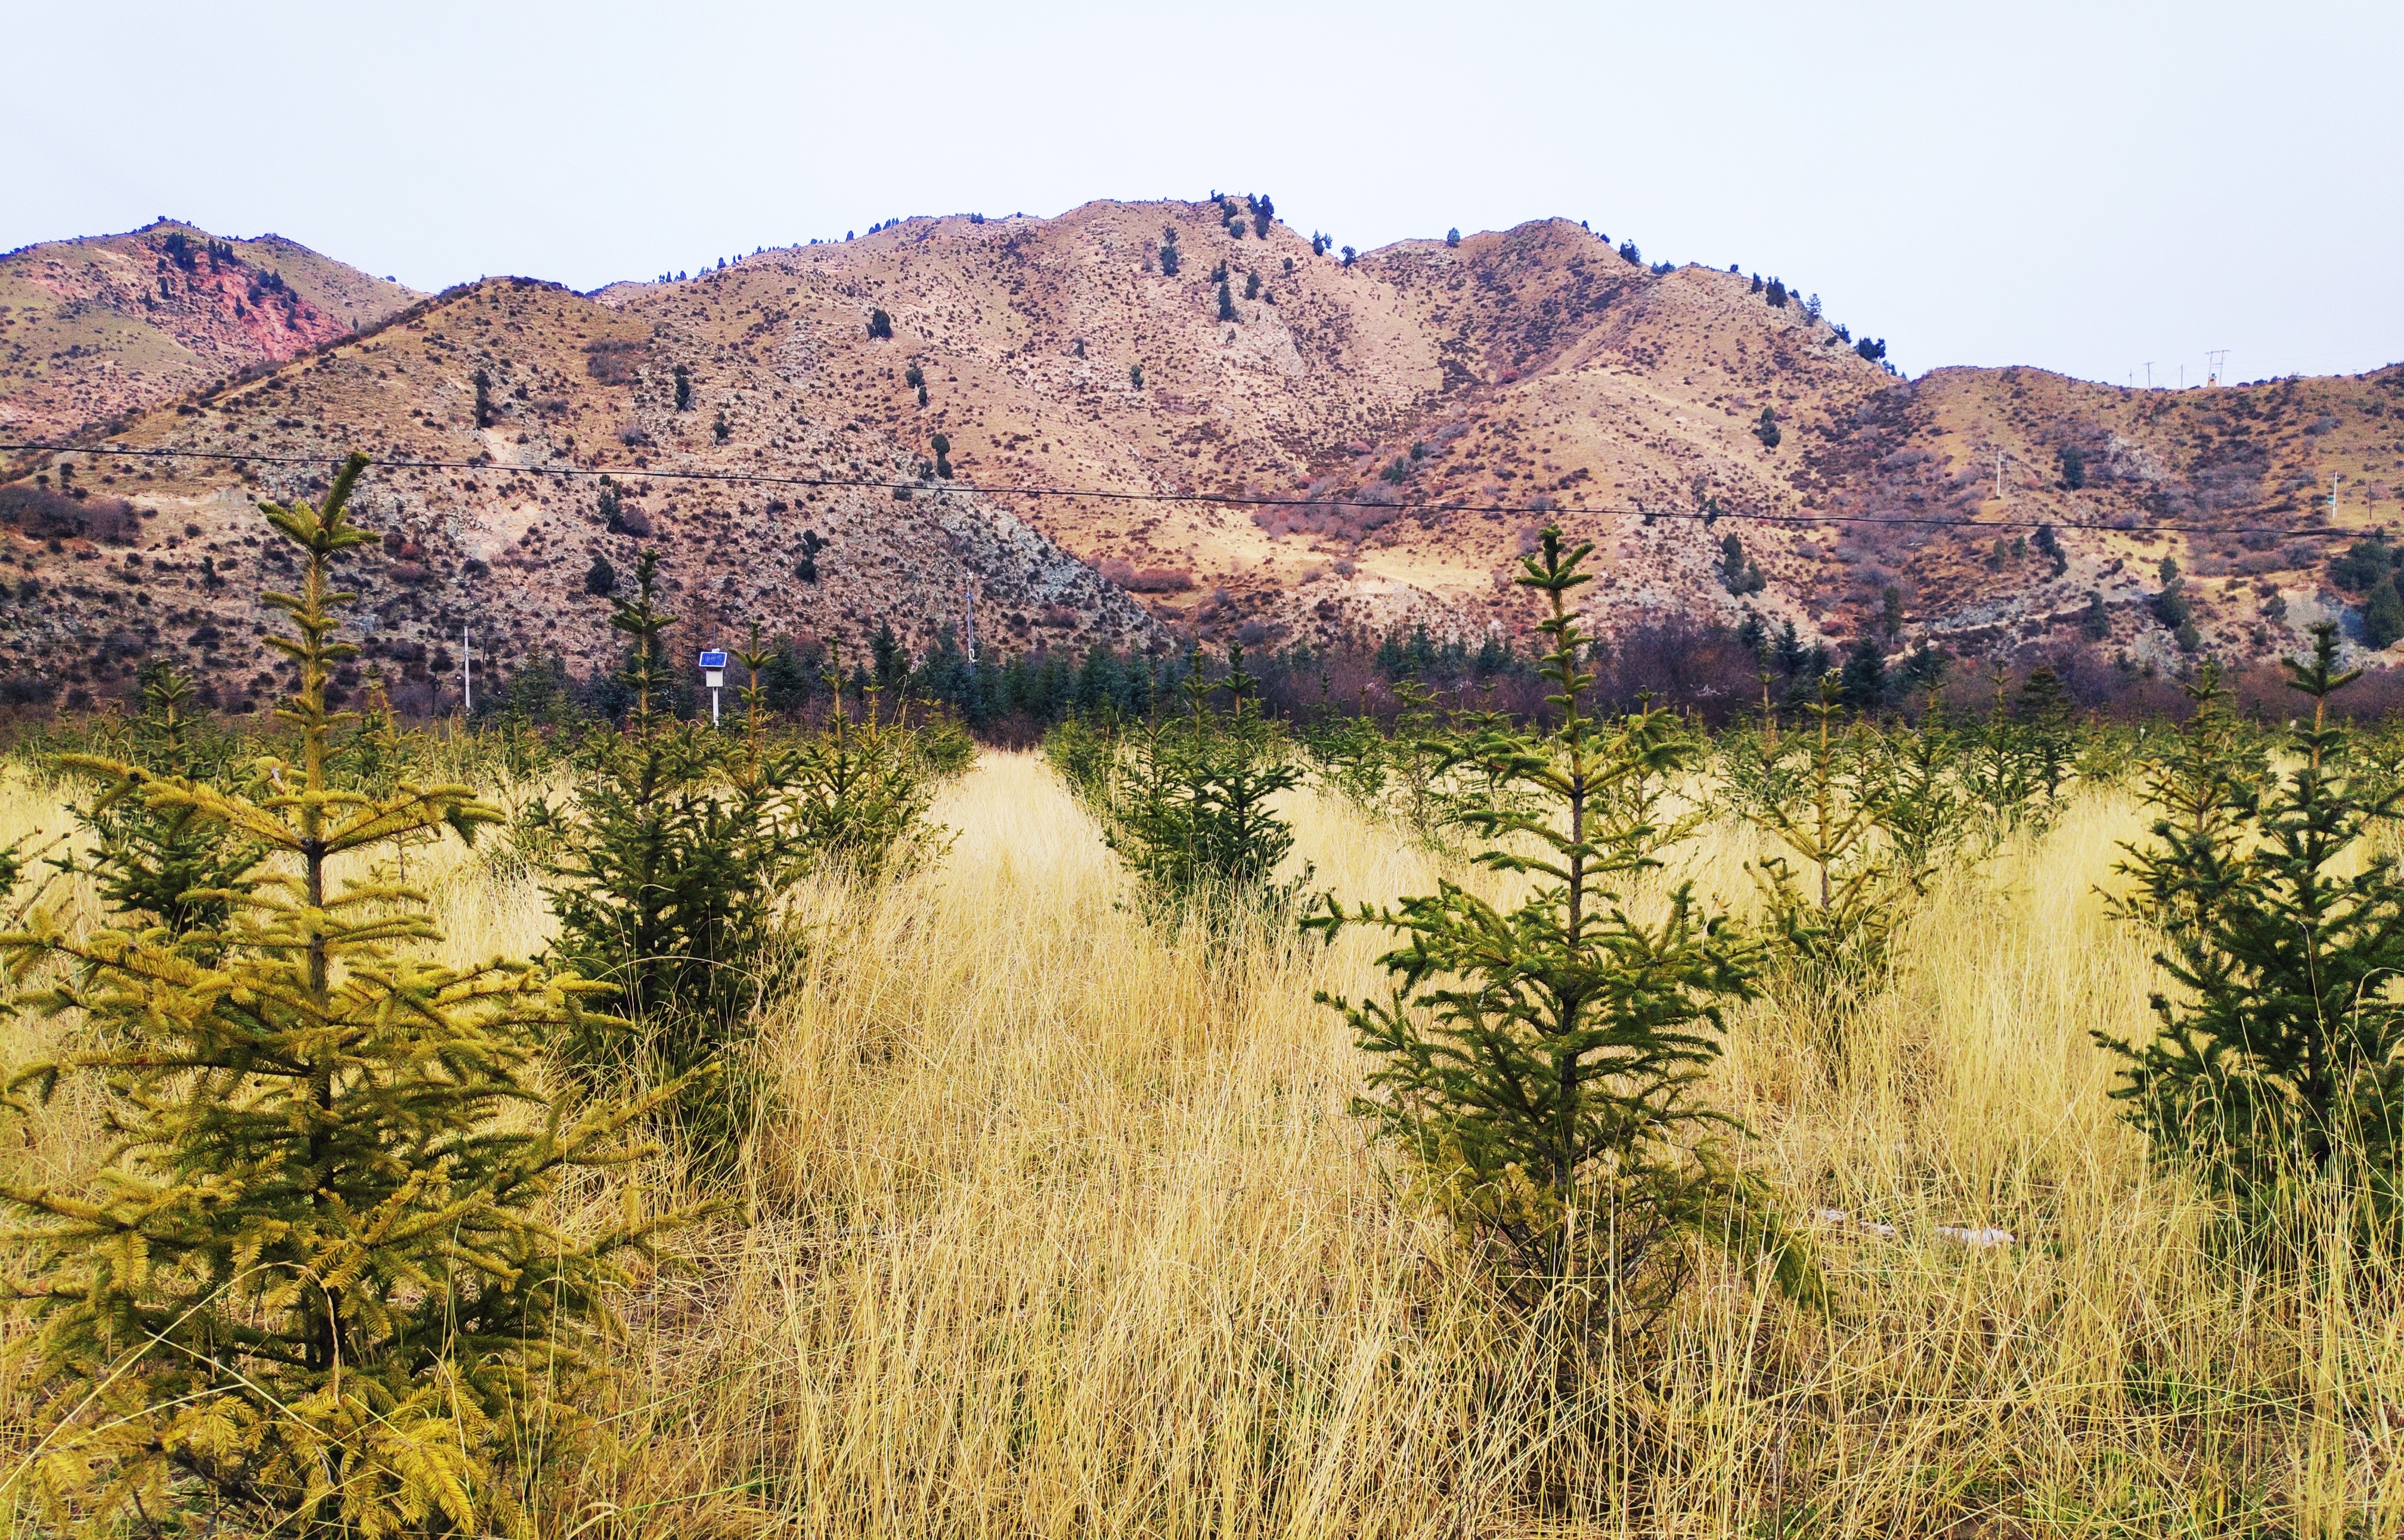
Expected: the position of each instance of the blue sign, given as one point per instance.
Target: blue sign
(713, 660)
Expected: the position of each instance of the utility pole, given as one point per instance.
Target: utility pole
(2149, 375)
(2216, 357)
(968, 592)
(467, 670)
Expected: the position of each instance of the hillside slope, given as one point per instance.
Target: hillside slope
(96, 327)
(1411, 417)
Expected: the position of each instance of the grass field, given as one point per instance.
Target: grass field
(1063, 1228)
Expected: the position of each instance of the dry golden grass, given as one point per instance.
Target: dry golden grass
(1064, 1229)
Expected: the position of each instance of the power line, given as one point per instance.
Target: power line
(1238, 499)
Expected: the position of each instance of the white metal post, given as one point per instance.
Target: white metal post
(713, 679)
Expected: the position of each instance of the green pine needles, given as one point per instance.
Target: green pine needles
(672, 865)
(667, 870)
(1190, 801)
(1542, 1060)
(314, 1289)
(165, 870)
(2280, 1064)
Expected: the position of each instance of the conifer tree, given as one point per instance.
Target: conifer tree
(1914, 797)
(668, 870)
(1833, 895)
(314, 1279)
(168, 874)
(856, 792)
(1542, 1061)
(1189, 807)
(2280, 1062)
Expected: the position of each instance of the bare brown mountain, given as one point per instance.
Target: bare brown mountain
(94, 329)
(1422, 411)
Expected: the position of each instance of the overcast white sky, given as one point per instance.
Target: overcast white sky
(2084, 187)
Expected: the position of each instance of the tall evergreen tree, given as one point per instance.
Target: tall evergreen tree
(316, 1279)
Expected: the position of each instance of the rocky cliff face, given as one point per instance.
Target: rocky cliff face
(93, 330)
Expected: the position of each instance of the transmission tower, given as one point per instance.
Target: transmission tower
(2218, 356)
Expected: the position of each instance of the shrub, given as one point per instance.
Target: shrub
(1135, 375)
(42, 515)
(2383, 614)
(2363, 565)
(614, 360)
(721, 429)
(2280, 1063)
(315, 1283)
(1540, 1062)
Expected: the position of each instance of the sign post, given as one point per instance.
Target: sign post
(713, 678)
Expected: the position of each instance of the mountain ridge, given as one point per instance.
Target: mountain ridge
(1205, 348)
